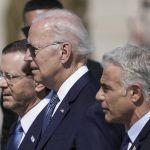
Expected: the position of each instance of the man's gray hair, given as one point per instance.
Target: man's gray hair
(67, 27)
(135, 64)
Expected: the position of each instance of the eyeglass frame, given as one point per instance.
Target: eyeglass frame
(33, 49)
(10, 77)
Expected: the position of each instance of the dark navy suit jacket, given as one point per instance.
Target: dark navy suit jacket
(73, 128)
(142, 142)
(31, 138)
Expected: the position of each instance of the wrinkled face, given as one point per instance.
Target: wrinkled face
(45, 60)
(18, 93)
(115, 100)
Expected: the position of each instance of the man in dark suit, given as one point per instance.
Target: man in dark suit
(33, 8)
(58, 50)
(125, 94)
(22, 95)
(9, 117)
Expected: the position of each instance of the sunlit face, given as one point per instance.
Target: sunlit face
(115, 100)
(19, 94)
(46, 64)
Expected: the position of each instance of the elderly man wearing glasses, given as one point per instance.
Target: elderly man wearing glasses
(58, 48)
(22, 95)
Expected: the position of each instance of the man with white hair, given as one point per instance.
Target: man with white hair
(58, 49)
(125, 94)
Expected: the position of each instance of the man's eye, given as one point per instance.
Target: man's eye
(105, 88)
(8, 76)
(36, 50)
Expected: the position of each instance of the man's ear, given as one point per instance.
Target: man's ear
(39, 87)
(65, 52)
(135, 92)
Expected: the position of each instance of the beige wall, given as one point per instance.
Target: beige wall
(107, 22)
(3, 10)
(108, 25)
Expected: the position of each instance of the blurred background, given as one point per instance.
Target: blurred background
(110, 23)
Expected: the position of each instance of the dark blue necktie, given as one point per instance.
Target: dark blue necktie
(49, 111)
(17, 136)
(125, 142)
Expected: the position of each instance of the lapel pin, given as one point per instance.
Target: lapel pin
(32, 139)
(134, 148)
(62, 110)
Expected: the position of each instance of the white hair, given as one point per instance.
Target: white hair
(135, 64)
(67, 27)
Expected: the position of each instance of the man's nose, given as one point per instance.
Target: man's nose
(3, 83)
(100, 96)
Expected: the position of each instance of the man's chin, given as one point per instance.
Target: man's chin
(38, 80)
(7, 105)
(36, 77)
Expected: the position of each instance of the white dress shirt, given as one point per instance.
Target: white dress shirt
(66, 86)
(135, 130)
(30, 116)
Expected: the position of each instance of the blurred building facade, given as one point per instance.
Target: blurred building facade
(105, 20)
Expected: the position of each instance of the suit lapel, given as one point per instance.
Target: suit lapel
(143, 134)
(63, 109)
(33, 134)
(11, 136)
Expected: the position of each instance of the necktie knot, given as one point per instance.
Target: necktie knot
(52, 104)
(19, 127)
(16, 139)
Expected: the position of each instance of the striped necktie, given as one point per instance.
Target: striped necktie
(49, 111)
(17, 137)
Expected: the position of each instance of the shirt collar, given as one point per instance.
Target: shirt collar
(30, 116)
(134, 131)
(66, 86)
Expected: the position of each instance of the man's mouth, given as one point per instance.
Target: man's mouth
(6, 94)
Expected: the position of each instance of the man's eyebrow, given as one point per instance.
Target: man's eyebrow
(104, 85)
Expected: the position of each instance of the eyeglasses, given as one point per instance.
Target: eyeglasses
(25, 30)
(35, 50)
(11, 79)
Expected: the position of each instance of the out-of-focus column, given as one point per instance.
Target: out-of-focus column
(3, 9)
(1, 121)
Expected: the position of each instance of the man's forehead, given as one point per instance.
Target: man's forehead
(111, 73)
(40, 27)
(40, 36)
(12, 58)
(41, 23)
(14, 55)
(12, 66)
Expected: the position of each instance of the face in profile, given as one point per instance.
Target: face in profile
(18, 88)
(115, 100)
(44, 56)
